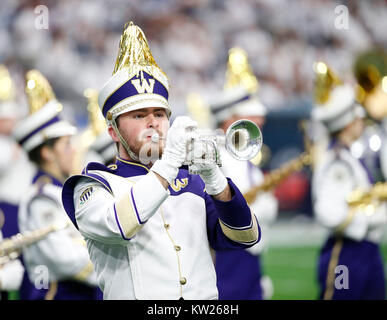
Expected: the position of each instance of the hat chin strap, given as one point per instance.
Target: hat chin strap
(131, 154)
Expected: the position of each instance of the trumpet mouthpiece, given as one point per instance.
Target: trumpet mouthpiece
(155, 138)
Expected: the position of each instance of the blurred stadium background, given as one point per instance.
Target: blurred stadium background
(190, 40)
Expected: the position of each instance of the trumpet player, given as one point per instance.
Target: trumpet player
(58, 266)
(350, 263)
(149, 224)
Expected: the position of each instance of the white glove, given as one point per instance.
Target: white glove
(209, 171)
(176, 148)
(11, 275)
(214, 179)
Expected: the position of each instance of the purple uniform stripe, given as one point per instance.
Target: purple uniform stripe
(118, 224)
(44, 125)
(135, 207)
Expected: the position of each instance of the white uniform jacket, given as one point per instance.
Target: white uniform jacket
(150, 243)
(335, 177)
(61, 255)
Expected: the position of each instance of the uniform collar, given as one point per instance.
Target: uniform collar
(43, 177)
(128, 168)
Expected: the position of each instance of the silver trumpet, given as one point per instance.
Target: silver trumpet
(243, 140)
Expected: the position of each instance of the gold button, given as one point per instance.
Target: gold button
(177, 248)
(166, 226)
(183, 280)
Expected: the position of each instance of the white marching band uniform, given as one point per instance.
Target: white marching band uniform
(61, 258)
(336, 176)
(151, 248)
(354, 233)
(147, 242)
(63, 252)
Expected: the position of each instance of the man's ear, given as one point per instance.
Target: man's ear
(113, 134)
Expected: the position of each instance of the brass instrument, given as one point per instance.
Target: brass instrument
(97, 125)
(11, 248)
(276, 176)
(325, 80)
(370, 69)
(239, 71)
(39, 91)
(368, 200)
(7, 90)
(272, 179)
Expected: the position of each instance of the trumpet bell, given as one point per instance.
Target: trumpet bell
(243, 139)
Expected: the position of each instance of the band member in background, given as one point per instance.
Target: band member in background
(58, 266)
(355, 234)
(240, 273)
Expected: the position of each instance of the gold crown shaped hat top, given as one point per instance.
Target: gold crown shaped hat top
(129, 88)
(335, 101)
(97, 121)
(325, 81)
(134, 54)
(239, 72)
(240, 88)
(39, 91)
(7, 90)
(44, 121)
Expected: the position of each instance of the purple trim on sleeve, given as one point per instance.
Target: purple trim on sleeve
(118, 224)
(135, 207)
(68, 193)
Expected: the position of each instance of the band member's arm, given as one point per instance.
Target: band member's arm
(330, 190)
(63, 251)
(231, 224)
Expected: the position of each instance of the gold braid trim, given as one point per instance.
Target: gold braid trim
(241, 235)
(127, 217)
(85, 272)
(330, 282)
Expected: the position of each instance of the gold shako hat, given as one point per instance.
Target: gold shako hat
(137, 81)
(335, 102)
(44, 121)
(240, 89)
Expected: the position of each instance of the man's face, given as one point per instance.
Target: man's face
(137, 128)
(356, 128)
(64, 155)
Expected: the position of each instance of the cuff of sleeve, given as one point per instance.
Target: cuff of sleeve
(248, 235)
